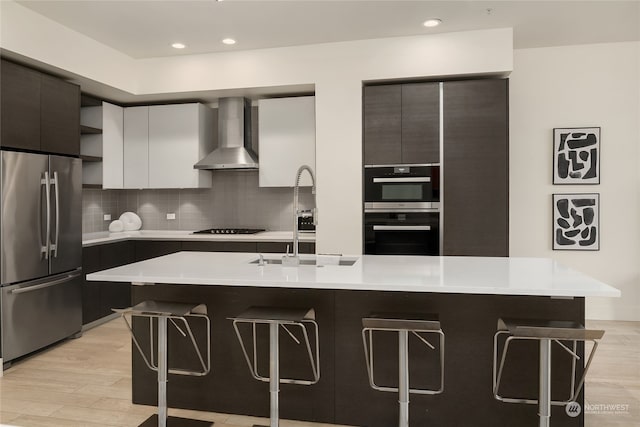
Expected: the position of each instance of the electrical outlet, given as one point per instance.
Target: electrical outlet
(107, 217)
(171, 216)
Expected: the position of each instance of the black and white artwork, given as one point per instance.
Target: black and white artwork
(576, 156)
(576, 222)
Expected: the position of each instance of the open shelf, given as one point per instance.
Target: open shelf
(90, 158)
(88, 130)
(89, 101)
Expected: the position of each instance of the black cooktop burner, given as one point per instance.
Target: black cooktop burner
(230, 231)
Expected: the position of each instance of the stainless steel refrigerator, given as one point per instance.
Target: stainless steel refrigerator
(40, 251)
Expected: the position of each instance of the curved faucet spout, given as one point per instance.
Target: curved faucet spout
(296, 210)
(299, 175)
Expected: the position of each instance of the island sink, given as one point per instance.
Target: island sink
(340, 261)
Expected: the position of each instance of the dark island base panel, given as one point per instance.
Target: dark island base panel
(343, 395)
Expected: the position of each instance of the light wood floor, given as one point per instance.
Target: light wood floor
(86, 382)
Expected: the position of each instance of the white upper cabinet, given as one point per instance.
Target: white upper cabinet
(163, 142)
(179, 136)
(286, 139)
(136, 147)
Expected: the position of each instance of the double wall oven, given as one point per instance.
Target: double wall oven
(402, 210)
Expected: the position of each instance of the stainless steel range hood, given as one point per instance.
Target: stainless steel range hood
(234, 137)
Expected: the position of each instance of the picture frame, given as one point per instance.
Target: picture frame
(576, 222)
(576, 155)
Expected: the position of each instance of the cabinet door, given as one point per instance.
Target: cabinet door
(150, 249)
(174, 146)
(287, 132)
(90, 289)
(219, 246)
(20, 106)
(112, 146)
(382, 125)
(476, 168)
(136, 147)
(115, 294)
(60, 116)
(421, 123)
(281, 247)
(116, 254)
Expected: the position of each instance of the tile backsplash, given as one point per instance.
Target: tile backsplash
(234, 200)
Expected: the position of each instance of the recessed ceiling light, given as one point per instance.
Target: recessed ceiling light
(178, 45)
(228, 41)
(434, 22)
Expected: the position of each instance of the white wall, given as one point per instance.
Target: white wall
(32, 35)
(587, 85)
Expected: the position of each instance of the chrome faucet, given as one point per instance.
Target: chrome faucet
(294, 259)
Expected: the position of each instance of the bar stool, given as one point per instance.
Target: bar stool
(403, 324)
(173, 312)
(545, 332)
(279, 317)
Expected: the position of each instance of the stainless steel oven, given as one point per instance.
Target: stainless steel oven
(401, 233)
(402, 184)
(402, 210)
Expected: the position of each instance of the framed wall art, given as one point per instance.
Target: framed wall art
(576, 155)
(576, 222)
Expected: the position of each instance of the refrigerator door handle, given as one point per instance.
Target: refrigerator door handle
(64, 279)
(55, 184)
(46, 181)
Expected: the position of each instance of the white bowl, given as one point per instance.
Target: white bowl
(116, 226)
(131, 221)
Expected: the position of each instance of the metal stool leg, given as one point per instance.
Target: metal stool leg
(544, 401)
(162, 371)
(274, 372)
(403, 375)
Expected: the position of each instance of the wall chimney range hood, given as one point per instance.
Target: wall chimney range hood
(234, 137)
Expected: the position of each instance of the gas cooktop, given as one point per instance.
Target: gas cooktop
(230, 231)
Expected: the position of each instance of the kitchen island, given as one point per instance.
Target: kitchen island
(468, 293)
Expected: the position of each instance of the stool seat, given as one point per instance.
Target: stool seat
(551, 329)
(163, 308)
(275, 314)
(402, 321)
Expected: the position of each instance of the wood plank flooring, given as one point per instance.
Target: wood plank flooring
(86, 382)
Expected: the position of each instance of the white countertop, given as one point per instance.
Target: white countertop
(464, 275)
(92, 239)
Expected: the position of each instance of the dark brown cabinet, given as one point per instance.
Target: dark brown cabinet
(60, 116)
(281, 247)
(219, 246)
(152, 249)
(421, 123)
(382, 125)
(90, 290)
(98, 298)
(39, 112)
(476, 168)
(20, 103)
(145, 249)
(402, 124)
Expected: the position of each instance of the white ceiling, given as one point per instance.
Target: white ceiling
(143, 29)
